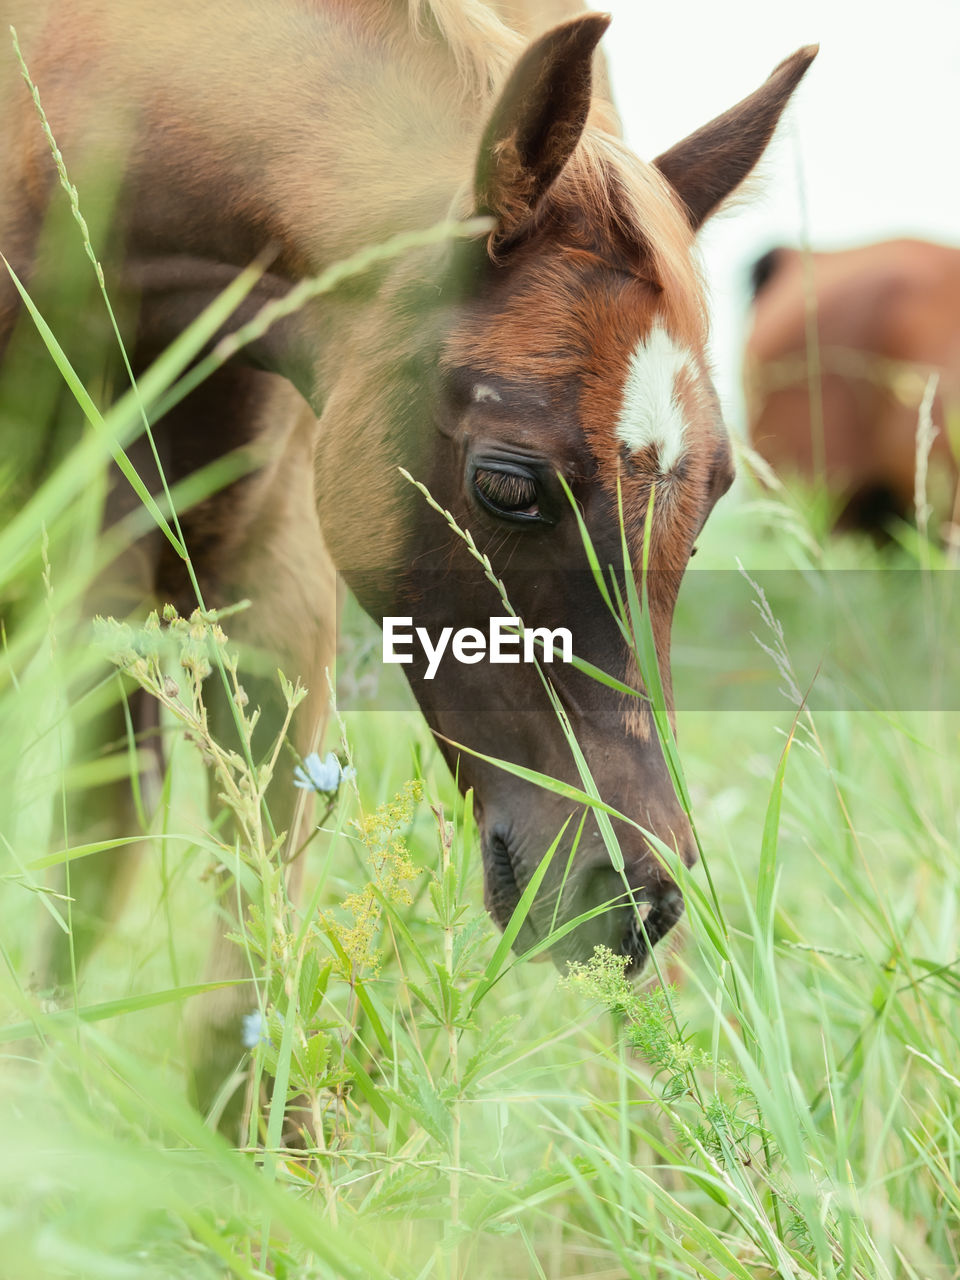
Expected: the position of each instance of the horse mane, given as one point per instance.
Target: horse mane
(483, 47)
(643, 227)
(603, 183)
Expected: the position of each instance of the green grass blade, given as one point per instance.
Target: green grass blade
(66, 1019)
(93, 415)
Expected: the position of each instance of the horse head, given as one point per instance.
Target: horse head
(562, 357)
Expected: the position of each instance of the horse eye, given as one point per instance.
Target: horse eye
(507, 492)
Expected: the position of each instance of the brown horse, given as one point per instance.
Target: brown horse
(567, 341)
(841, 350)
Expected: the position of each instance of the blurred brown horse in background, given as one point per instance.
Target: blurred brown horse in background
(841, 351)
(567, 340)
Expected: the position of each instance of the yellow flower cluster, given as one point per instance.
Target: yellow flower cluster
(391, 870)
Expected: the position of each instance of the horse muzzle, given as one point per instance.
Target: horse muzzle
(628, 914)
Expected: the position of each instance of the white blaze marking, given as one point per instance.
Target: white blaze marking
(651, 412)
(482, 392)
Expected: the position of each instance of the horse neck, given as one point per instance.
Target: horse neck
(315, 127)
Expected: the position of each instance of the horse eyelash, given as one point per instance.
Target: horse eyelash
(505, 489)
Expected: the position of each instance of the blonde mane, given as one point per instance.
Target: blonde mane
(483, 47)
(603, 179)
(635, 202)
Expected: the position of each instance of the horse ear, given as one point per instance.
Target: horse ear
(537, 123)
(709, 165)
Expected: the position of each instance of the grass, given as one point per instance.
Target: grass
(791, 1111)
(784, 1103)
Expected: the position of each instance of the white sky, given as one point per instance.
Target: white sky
(874, 126)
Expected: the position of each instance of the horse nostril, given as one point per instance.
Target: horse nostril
(502, 889)
(500, 859)
(643, 934)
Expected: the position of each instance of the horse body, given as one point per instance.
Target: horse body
(886, 320)
(567, 341)
(244, 123)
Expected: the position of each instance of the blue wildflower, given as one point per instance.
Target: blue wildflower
(254, 1030)
(321, 775)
